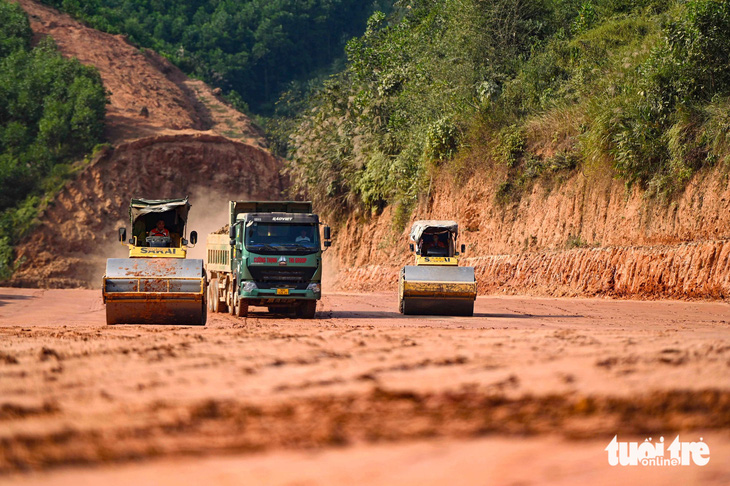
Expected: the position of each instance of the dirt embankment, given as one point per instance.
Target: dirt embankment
(170, 136)
(78, 229)
(584, 236)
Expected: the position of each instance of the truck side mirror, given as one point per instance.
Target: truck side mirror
(327, 243)
(463, 248)
(327, 233)
(232, 233)
(122, 234)
(193, 237)
(412, 249)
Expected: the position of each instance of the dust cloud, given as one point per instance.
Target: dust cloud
(208, 214)
(330, 271)
(93, 268)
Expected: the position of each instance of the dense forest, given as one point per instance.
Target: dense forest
(523, 90)
(252, 49)
(51, 114)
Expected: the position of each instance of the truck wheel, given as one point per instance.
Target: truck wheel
(230, 289)
(204, 317)
(223, 306)
(213, 298)
(210, 299)
(241, 307)
(307, 309)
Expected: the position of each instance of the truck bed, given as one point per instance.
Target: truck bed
(218, 253)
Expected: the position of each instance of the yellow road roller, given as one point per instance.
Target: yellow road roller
(436, 285)
(157, 284)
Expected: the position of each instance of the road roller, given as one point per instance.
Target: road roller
(157, 284)
(436, 284)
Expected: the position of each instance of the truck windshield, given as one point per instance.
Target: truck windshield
(267, 238)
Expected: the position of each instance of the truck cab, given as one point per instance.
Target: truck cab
(275, 255)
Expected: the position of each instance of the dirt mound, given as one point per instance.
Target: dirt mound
(78, 229)
(171, 137)
(148, 95)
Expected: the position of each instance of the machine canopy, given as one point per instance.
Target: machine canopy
(143, 207)
(433, 226)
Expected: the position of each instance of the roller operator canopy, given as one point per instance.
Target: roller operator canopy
(433, 226)
(142, 207)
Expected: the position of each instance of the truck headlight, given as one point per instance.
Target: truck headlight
(314, 287)
(249, 287)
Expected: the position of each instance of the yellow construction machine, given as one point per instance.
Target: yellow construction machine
(436, 285)
(157, 284)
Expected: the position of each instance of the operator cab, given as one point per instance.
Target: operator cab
(168, 222)
(436, 244)
(158, 224)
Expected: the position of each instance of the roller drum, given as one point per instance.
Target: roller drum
(155, 291)
(437, 290)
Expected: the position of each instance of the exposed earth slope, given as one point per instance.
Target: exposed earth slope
(586, 235)
(580, 235)
(528, 391)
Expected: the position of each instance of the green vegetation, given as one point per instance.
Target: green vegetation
(252, 49)
(531, 88)
(524, 90)
(51, 114)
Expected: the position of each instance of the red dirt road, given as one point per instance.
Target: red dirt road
(529, 391)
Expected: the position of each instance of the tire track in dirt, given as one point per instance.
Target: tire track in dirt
(74, 391)
(218, 426)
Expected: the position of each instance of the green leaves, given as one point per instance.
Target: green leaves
(53, 108)
(635, 76)
(649, 136)
(15, 33)
(699, 49)
(442, 139)
(414, 81)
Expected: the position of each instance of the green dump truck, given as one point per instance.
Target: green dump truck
(269, 255)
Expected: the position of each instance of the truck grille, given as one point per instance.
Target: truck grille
(277, 277)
